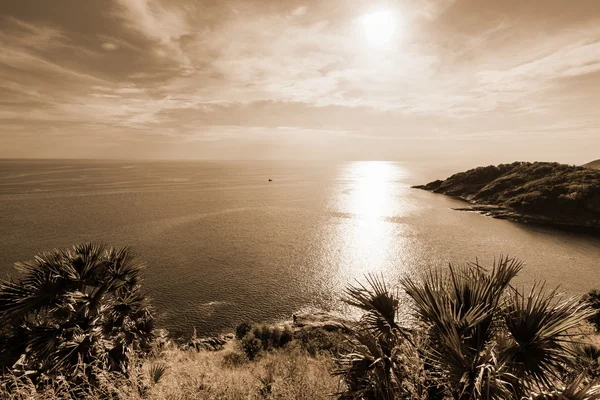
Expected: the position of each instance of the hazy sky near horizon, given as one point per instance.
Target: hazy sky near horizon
(457, 80)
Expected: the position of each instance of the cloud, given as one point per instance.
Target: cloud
(28, 70)
(321, 63)
(432, 9)
(300, 11)
(33, 36)
(183, 71)
(160, 22)
(561, 55)
(110, 46)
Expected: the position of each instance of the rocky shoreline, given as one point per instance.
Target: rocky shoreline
(301, 322)
(509, 214)
(501, 212)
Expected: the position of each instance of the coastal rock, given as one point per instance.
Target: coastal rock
(206, 344)
(319, 320)
(161, 337)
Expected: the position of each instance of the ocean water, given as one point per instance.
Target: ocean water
(223, 244)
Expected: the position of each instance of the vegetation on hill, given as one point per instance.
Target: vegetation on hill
(538, 192)
(78, 327)
(593, 164)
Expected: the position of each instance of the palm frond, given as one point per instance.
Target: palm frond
(576, 390)
(540, 324)
(367, 370)
(460, 308)
(76, 307)
(157, 371)
(380, 305)
(18, 299)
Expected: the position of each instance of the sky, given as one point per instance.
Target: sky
(476, 80)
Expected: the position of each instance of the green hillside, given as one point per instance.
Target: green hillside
(538, 192)
(593, 164)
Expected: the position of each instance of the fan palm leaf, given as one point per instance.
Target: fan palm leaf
(367, 370)
(77, 305)
(460, 307)
(540, 326)
(370, 371)
(157, 371)
(480, 338)
(380, 305)
(577, 390)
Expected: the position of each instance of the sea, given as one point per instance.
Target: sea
(232, 241)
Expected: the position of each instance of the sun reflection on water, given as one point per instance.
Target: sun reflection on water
(366, 237)
(371, 195)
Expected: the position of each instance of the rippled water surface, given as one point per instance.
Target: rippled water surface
(223, 244)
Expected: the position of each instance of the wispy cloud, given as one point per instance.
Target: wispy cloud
(432, 9)
(184, 71)
(560, 55)
(161, 22)
(26, 46)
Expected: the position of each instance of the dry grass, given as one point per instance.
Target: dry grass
(288, 373)
(285, 374)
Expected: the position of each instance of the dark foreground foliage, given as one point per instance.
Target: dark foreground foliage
(75, 324)
(475, 337)
(242, 329)
(73, 314)
(593, 298)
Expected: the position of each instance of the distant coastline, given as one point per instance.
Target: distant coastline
(545, 193)
(593, 164)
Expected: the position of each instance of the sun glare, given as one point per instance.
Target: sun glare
(379, 27)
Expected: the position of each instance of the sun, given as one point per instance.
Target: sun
(379, 27)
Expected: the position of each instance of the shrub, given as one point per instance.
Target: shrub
(234, 359)
(242, 329)
(251, 345)
(586, 358)
(287, 335)
(317, 340)
(265, 337)
(75, 311)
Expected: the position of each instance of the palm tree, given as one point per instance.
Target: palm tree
(367, 370)
(73, 308)
(473, 336)
(383, 363)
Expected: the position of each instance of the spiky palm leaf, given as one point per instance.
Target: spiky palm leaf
(481, 338)
(157, 371)
(77, 305)
(373, 370)
(380, 305)
(540, 325)
(585, 360)
(368, 370)
(460, 307)
(577, 390)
